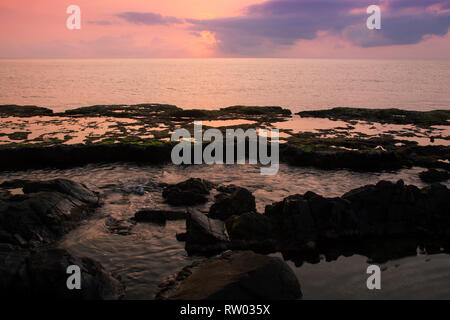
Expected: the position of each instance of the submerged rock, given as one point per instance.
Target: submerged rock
(239, 276)
(121, 227)
(190, 192)
(231, 201)
(43, 275)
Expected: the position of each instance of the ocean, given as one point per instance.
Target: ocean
(297, 84)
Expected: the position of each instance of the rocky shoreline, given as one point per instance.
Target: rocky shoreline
(382, 221)
(145, 134)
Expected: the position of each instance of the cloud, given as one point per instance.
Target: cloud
(278, 23)
(148, 18)
(101, 22)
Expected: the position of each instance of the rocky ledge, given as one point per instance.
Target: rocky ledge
(31, 221)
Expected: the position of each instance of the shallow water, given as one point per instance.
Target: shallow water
(151, 253)
(70, 130)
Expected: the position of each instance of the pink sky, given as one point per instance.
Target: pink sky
(37, 29)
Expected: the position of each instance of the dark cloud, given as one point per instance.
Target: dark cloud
(101, 22)
(148, 18)
(284, 22)
(403, 4)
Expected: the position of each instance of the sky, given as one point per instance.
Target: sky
(410, 29)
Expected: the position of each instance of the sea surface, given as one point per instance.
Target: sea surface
(298, 84)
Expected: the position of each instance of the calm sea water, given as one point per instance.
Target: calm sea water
(212, 83)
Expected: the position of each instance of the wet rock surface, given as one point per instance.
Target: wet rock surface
(423, 118)
(379, 221)
(234, 276)
(46, 211)
(205, 235)
(41, 274)
(190, 192)
(30, 224)
(434, 175)
(232, 200)
(24, 111)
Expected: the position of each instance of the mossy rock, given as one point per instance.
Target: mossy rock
(255, 110)
(396, 116)
(24, 111)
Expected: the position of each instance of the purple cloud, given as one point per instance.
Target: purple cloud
(148, 18)
(284, 22)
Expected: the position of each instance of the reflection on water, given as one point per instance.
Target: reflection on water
(419, 277)
(367, 129)
(151, 253)
(299, 84)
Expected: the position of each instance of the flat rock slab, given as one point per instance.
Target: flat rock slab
(240, 276)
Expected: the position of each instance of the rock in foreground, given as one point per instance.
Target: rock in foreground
(240, 276)
(46, 211)
(30, 224)
(42, 275)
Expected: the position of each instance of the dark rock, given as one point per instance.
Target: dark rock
(379, 221)
(159, 216)
(24, 111)
(257, 110)
(190, 192)
(231, 201)
(433, 175)
(46, 211)
(422, 118)
(42, 275)
(205, 235)
(182, 236)
(64, 186)
(240, 276)
(249, 226)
